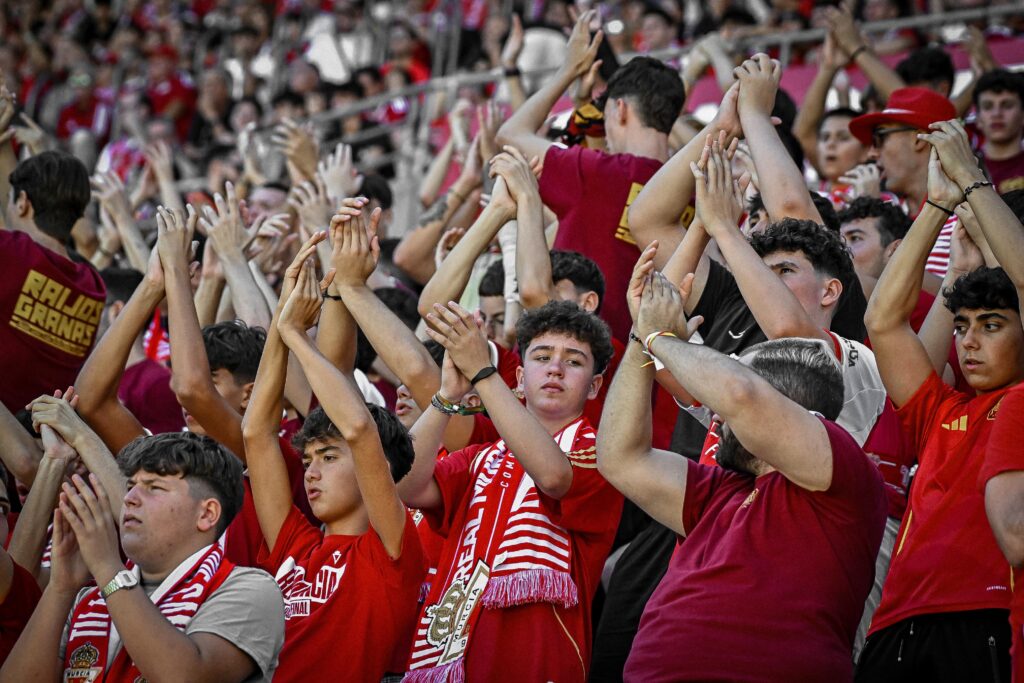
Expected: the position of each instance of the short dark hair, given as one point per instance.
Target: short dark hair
(394, 437)
(288, 97)
(493, 281)
(375, 186)
(235, 347)
(845, 112)
(804, 370)
(982, 288)
(927, 65)
(57, 186)
(121, 283)
(824, 248)
(435, 350)
(581, 271)
(997, 81)
(821, 203)
(892, 222)
(402, 303)
(211, 470)
(654, 88)
(566, 317)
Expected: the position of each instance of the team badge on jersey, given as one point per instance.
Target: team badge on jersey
(83, 667)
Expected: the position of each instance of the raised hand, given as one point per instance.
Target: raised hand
(301, 310)
(31, 134)
(719, 200)
(941, 189)
(514, 168)
(174, 237)
(68, 571)
(291, 274)
(356, 247)
(950, 142)
(310, 199)
(865, 179)
(158, 156)
(298, 146)
(108, 189)
(447, 242)
(86, 508)
(226, 229)
(513, 44)
(758, 79)
(454, 385)
(462, 335)
(8, 106)
(582, 49)
(663, 308)
(338, 173)
(488, 118)
(844, 29)
(638, 281)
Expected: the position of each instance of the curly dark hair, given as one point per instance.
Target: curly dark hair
(983, 288)
(395, 439)
(892, 223)
(235, 347)
(823, 247)
(822, 203)
(1015, 200)
(566, 317)
(581, 271)
(210, 470)
(655, 89)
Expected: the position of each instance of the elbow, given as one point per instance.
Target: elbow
(187, 390)
(506, 135)
(877, 319)
(638, 222)
(532, 296)
(358, 428)
(556, 484)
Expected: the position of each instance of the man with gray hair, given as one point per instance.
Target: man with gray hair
(791, 521)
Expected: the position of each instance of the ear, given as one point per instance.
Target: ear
(595, 387)
(589, 301)
(246, 393)
(22, 205)
(890, 250)
(921, 146)
(209, 514)
(833, 290)
(622, 110)
(520, 374)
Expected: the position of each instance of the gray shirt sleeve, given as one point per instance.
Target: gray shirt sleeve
(248, 612)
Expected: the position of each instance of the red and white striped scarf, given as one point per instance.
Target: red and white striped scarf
(508, 553)
(93, 638)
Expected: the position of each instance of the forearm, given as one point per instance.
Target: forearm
(207, 299)
(191, 374)
(448, 283)
(29, 539)
(18, 451)
(35, 656)
(100, 377)
(783, 189)
(336, 334)
(899, 286)
(776, 309)
(131, 239)
(881, 75)
(101, 462)
(936, 333)
(169, 195)
(436, 172)
(1002, 229)
(625, 435)
(528, 118)
(533, 260)
(7, 163)
(268, 293)
(516, 92)
(249, 303)
(415, 252)
(418, 488)
(534, 447)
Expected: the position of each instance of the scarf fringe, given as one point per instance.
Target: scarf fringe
(452, 672)
(530, 586)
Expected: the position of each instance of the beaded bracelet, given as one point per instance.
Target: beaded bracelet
(974, 186)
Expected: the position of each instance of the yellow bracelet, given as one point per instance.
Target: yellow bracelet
(654, 335)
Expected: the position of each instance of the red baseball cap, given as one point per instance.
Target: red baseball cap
(918, 107)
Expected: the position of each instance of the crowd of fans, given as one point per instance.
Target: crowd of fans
(631, 395)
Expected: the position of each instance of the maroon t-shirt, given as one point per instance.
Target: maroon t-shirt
(771, 579)
(16, 608)
(1007, 174)
(145, 390)
(591, 191)
(49, 309)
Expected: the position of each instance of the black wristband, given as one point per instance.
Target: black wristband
(483, 374)
(940, 208)
(853, 55)
(974, 186)
(512, 72)
(633, 337)
(332, 297)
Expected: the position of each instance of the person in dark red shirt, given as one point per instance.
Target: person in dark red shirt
(771, 497)
(591, 190)
(85, 113)
(943, 614)
(999, 100)
(366, 566)
(51, 301)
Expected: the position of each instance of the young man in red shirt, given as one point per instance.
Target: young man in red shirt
(771, 497)
(366, 566)
(943, 614)
(50, 300)
(591, 190)
(527, 520)
(999, 100)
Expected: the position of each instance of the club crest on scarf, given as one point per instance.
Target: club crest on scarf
(82, 663)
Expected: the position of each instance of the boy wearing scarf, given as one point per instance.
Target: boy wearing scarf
(528, 521)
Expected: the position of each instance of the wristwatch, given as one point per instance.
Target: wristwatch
(123, 579)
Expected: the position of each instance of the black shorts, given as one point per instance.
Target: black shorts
(950, 646)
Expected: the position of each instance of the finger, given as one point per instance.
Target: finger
(433, 333)
(69, 514)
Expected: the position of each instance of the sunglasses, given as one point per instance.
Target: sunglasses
(878, 135)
